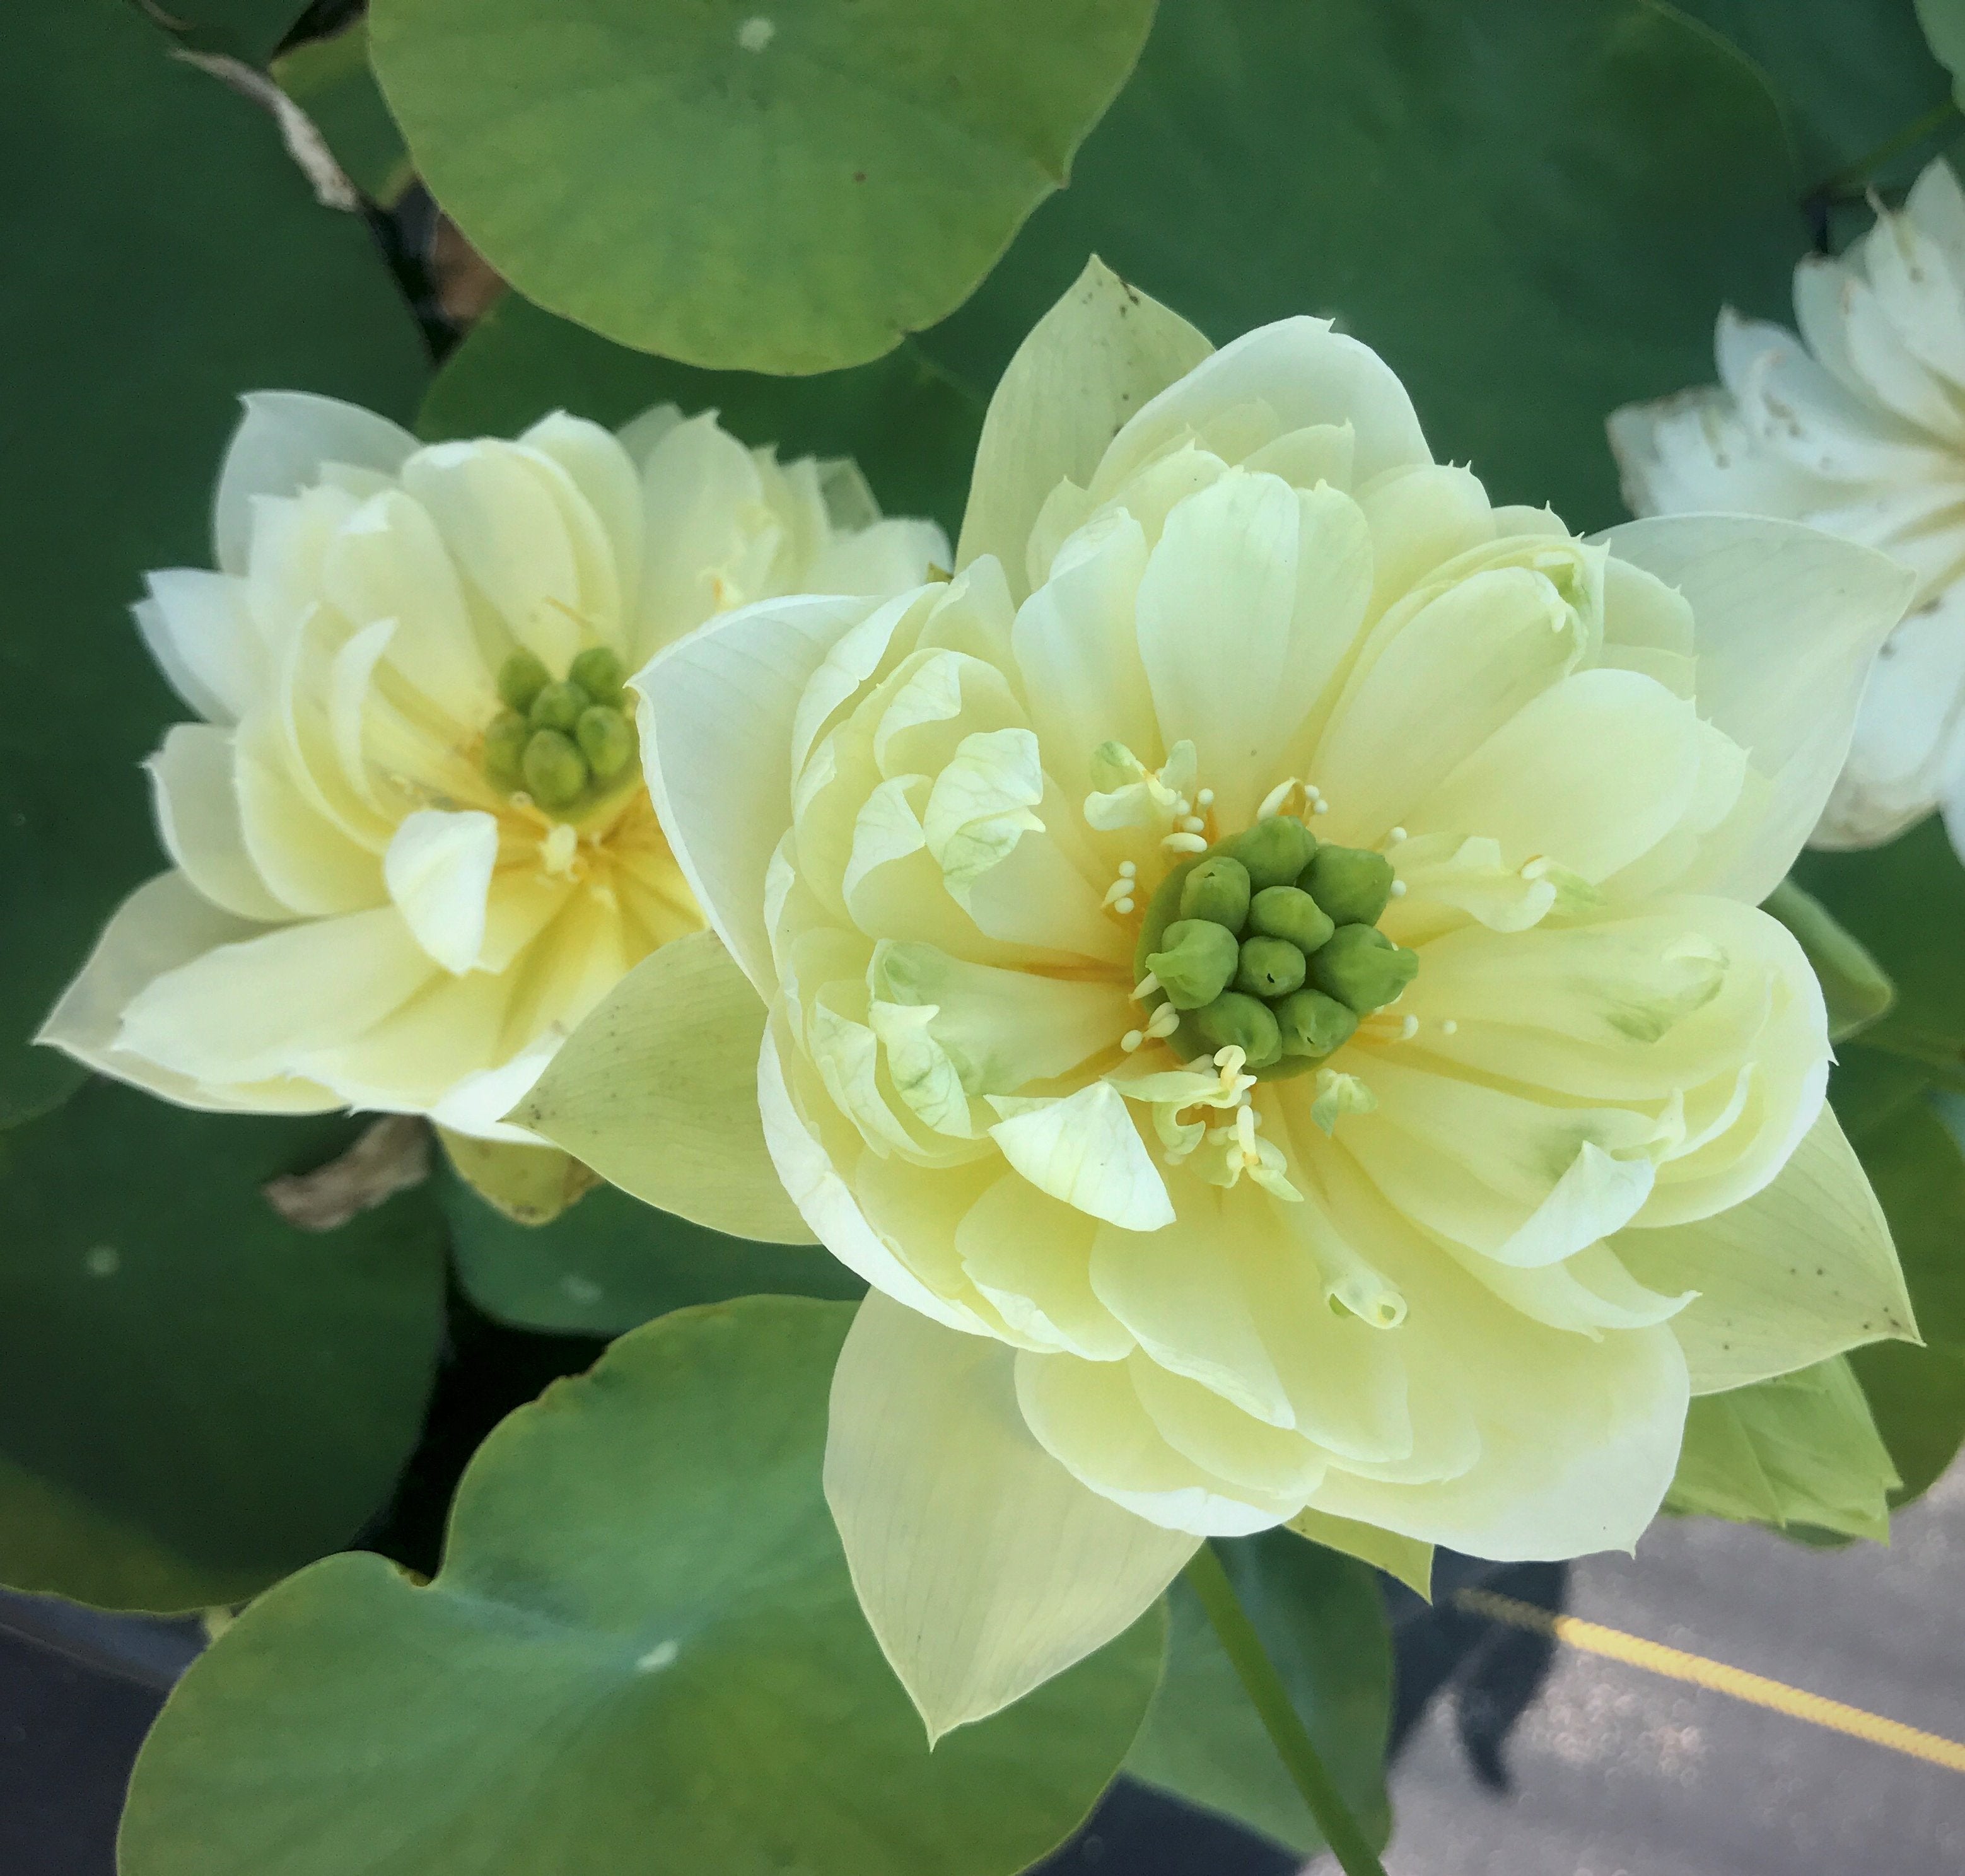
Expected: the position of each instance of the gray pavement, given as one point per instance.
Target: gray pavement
(1619, 1772)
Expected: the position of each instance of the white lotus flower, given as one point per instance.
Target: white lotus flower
(1856, 427)
(1262, 974)
(392, 890)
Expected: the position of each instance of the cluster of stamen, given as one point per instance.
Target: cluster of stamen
(1267, 943)
(562, 744)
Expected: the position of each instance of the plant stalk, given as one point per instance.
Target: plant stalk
(1280, 1719)
(1853, 175)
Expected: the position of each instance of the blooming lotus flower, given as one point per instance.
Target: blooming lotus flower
(411, 843)
(1856, 427)
(1261, 973)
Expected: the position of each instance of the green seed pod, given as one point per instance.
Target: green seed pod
(1275, 852)
(1269, 967)
(1350, 883)
(555, 772)
(1286, 911)
(1313, 1023)
(559, 707)
(598, 672)
(1217, 889)
(505, 750)
(1242, 1021)
(1198, 959)
(606, 740)
(1362, 967)
(521, 678)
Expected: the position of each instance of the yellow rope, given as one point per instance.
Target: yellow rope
(1593, 1638)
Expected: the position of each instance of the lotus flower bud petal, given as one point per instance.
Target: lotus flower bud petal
(606, 739)
(1269, 967)
(559, 707)
(1234, 1020)
(1287, 911)
(521, 678)
(1198, 960)
(1352, 884)
(1362, 967)
(555, 771)
(597, 671)
(1216, 888)
(504, 749)
(1313, 1023)
(1275, 851)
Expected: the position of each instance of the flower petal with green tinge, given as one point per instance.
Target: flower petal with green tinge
(984, 1567)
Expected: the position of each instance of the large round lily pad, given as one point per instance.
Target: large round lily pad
(195, 1397)
(642, 1654)
(783, 189)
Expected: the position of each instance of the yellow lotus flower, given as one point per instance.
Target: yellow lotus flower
(1857, 426)
(1261, 973)
(411, 846)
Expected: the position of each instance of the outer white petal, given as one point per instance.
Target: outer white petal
(437, 869)
(1307, 375)
(164, 923)
(1907, 747)
(1088, 365)
(197, 627)
(197, 807)
(1801, 1271)
(279, 449)
(716, 714)
(1787, 621)
(983, 1566)
(250, 1010)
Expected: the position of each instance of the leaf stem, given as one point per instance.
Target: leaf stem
(1280, 1719)
(1853, 175)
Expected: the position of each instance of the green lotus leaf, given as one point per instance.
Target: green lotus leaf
(781, 191)
(642, 1652)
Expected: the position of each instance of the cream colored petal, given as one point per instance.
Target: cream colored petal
(1443, 682)
(1030, 1255)
(657, 1091)
(197, 809)
(1788, 621)
(1215, 610)
(1420, 515)
(1077, 648)
(983, 1567)
(437, 869)
(1176, 1290)
(197, 628)
(1304, 373)
(886, 557)
(1088, 365)
(1085, 1150)
(716, 718)
(1592, 774)
(307, 860)
(1221, 1440)
(607, 478)
(1088, 1417)
(280, 445)
(411, 1060)
(1693, 452)
(387, 561)
(163, 924)
(257, 1008)
(701, 502)
(1802, 1270)
(502, 524)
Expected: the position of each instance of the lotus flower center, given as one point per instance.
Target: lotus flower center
(565, 744)
(1267, 943)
